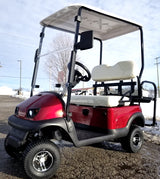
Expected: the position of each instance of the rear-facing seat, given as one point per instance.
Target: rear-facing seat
(121, 71)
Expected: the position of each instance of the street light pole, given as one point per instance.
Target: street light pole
(157, 64)
(20, 75)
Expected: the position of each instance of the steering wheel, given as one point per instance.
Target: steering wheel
(78, 75)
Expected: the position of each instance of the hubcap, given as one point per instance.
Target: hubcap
(137, 141)
(42, 161)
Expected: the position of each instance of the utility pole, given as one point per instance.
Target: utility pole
(20, 75)
(157, 64)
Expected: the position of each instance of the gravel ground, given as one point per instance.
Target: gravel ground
(106, 160)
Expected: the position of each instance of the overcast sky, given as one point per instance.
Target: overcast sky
(19, 32)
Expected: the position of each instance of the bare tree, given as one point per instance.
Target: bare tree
(56, 64)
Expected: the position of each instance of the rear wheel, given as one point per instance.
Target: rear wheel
(41, 159)
(134, 141)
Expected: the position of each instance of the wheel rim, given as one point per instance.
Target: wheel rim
(42, 161)
(137, 142)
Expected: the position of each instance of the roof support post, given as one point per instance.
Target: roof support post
(142, 53)
(72, 64)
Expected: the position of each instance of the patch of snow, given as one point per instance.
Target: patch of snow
(23, 95)
(147, 109)
(151, 133)
(4, 90)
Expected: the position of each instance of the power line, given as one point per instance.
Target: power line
(14, 77)
(21, 77)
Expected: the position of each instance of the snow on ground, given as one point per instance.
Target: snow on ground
(4, 90)
(150, 133)
(23, 95)
(147, 109)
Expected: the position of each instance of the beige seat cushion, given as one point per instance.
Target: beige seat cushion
(103, 101)
(120, 71)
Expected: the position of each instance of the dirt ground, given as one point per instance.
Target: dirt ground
(107, 160)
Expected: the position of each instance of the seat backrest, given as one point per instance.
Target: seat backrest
(120, 71)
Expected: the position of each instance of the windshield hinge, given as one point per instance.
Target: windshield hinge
(78, 18)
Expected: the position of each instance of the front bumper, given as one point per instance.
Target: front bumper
(25, 125)
(22, 129)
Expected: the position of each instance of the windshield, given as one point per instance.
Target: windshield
(55, 56)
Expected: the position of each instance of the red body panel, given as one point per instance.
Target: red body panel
(49, 105)
(107, 118)
(118, 117)
(95, 117)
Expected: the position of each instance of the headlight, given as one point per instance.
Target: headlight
(32, 113)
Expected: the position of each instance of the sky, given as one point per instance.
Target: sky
(20, 28)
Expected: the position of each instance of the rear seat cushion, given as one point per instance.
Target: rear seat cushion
(95, 101)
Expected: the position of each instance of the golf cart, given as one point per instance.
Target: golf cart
(43, 119)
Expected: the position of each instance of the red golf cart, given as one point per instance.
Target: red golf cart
(43, 119)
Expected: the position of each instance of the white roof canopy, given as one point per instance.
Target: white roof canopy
(104, 26)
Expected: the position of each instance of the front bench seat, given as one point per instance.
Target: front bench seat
(98, 101)
(121, 71)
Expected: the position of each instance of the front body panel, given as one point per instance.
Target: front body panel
(49, 105)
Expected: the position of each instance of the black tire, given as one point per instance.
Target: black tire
(41, 159)
(134, 140)
(9, 149)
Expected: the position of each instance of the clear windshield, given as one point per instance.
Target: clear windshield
(56, 51)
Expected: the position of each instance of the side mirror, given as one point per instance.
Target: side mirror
(58, 85)
(37, 86)
(86, 40)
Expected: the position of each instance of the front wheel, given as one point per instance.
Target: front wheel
(134, 141)
(41, 159)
